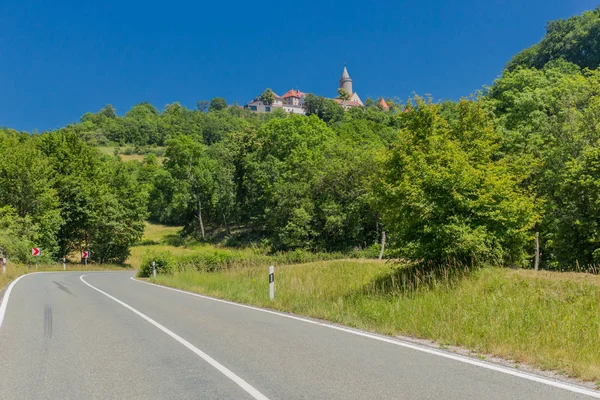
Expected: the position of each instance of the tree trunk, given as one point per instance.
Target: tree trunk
(200, 218)
(226, 224)
(382, 244)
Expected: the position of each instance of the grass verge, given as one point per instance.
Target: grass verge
(172, 252)
(547, 320)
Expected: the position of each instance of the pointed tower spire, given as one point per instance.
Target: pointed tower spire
(346, 81)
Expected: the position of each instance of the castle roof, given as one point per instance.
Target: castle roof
(294, 93)
(345, 74)
(383, 104)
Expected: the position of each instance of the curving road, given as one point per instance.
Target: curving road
(106, 336)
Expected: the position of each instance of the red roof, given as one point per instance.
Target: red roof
(383, 104)
(294, 93)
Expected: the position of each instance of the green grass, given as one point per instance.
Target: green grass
(548, 320)
(164, 242)
(154, 241)
(109, 150)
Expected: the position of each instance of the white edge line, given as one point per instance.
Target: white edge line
(466, 360)
(224, 370)
(4, 304)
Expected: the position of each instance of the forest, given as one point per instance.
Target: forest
(470, 180)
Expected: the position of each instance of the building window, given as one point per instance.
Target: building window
(267, 109)
(253, 108)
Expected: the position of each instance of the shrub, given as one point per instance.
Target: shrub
(164, 264)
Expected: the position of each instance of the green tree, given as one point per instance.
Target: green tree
(192, 193)
(343, 94)
(203, 106)
(217, 104)
(576, 40)
(326, 109)
(267, 97)
(26, 181)
(445, 195)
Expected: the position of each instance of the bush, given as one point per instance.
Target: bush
(446, 196)
(164, 264)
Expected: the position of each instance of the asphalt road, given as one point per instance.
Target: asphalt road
(106, 336)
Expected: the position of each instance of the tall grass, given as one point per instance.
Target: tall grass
(549, 320)
(208, 259)
(173, 252)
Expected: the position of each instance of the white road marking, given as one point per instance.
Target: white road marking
(225, 371)
(466, 360)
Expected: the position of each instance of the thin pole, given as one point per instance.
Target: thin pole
(382, 244)
(537, 251)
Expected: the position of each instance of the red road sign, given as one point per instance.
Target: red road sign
(36, 252)
(85, 254)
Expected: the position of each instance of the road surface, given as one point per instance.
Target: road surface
(105, 336)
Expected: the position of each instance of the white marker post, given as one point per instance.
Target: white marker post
(154, 268)
(64, 263)
(271, 282)
(4, 265)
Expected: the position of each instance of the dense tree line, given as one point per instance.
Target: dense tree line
(576, 40)
(471, 180)
(60, 194)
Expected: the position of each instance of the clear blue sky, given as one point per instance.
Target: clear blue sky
(61, 58)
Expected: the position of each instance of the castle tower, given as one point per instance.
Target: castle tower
(346, 81)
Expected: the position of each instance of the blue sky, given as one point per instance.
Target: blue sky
(61, 58)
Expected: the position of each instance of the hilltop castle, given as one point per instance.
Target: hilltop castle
(293, 100)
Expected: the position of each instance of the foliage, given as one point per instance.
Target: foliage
(163, 262)
(267, 97)
(217, 104)
(326, 109)
(60, 194)
(445, 195)
(548, 119)
(343, 94)
(576, 40)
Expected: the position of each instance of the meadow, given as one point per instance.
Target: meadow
(548, 320)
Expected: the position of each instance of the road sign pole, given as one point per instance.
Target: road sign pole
(85, 261)
(271, 282)
(36, 252)
(154, 268)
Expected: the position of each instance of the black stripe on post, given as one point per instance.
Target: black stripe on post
(271, 278)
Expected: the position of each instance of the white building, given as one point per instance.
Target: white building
(293, 100)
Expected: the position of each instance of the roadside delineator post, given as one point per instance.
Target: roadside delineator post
(154, 268)
(271, 282)
(64, 260)
(4, 265)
